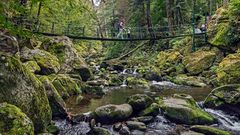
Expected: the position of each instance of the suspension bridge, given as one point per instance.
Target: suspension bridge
(75, 31)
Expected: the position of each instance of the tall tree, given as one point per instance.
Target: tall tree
(170, 14)
(149, 22)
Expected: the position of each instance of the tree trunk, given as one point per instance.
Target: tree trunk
(170, 14)
(149, 22)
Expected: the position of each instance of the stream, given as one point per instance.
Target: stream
(160, 125)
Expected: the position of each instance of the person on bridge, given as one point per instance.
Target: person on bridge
(129, 33)
(120, 30)
(203, 28)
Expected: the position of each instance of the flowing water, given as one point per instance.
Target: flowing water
(160, 125)
(120, 94)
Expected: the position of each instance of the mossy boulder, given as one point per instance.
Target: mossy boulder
(32, 66)
(152, 110)
(228, 71)
(135, 125)
(224, 29)
(199, 61)
(57, 103)
(168, 57)
(13, 121)
(133, 81)
(170, 61)
(65, 85)
(183, 79)
(20, 87)
(69, 58)
(113, 113)
(139, 102)
(183, 109)
(207, 130)
(49, 63)
(226, 97)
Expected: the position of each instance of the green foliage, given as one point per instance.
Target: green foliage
(116, 50)
(234, 7)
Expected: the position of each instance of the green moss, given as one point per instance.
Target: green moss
(65, 85)
(58, 50)
(227, 94)
(32, 66)
(228, 71)
(30, 95)
(183, 109)
(209, 130)
(152, 110)
(48, 63)
(13, 121)
(220, 38)
(55, 99)
(199, 61)
(136, 81)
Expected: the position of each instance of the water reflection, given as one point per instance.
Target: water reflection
(119, 96)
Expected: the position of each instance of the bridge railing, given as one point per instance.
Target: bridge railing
(76, 30)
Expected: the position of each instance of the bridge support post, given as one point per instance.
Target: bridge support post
(193, 26)
(52, 30)
(206, 23)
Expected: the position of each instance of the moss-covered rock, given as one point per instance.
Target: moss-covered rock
(135, 125)
(139, 102)
(183, 79)
(229, 70)
(49, 63)
(70, 60)
(100, 131)
(65, 85)
(199, 61)
(168, 62)
(224, 97)
(207, 130)
(224, 29)
(53, 129)
(20, 87)
(152, 110)
(56, 102)
(32, 66)
(13, 121)
(133, 81)
(113, 113)
(183, 109)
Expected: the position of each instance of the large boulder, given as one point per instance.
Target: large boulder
(229, 70)
(183, 109)
(199, 61)
(168, 62)
(112, 113)
(225, 29)
(20, 87)
(70, 60)
(13, 121)
(65, 85)
(48, 63)
(207, 130)
(135, 125)
(139, 102)
(183, 79)
(57, 103)
(226, 97)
